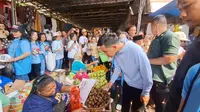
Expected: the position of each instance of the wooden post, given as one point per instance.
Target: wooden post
(141, 8)
(13, 12)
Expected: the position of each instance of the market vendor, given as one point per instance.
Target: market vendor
(131, 60)
(46, 96)
(78, 65)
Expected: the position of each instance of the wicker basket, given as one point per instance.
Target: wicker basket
(100, 109)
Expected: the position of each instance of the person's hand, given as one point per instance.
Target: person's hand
(11, 60)
(34, 53)
(58, 50)
(46, 48)
(78, 110)
(74, 44)
(108, 86)
(145, 99)
(77, 30)
(86, 41)
(95, 62)
(100, 33)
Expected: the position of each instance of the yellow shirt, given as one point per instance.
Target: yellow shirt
(94, 49)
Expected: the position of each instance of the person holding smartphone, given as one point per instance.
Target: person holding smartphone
(73, 48)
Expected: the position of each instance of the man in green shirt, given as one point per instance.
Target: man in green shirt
(162, 54)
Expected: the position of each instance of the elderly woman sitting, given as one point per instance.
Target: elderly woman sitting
(78, 65)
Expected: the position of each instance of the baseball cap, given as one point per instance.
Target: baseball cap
(182, 36)
(16, 28)
(84, 30)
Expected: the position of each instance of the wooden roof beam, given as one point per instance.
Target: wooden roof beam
(88, 2)
(95, 12)
(100, 15)
(66, 7)
(97, 20)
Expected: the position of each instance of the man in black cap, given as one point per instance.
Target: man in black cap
(138, 39)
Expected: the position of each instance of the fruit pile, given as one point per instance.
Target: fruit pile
(97, 98)
(71, 75)
(100, 77)
(100, 67)
(79, 76)
(90, 67)
(76, 82)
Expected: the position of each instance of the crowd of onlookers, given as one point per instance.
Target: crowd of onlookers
(74, 50)
(28, 51)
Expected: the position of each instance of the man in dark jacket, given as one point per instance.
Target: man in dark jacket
(189, 13)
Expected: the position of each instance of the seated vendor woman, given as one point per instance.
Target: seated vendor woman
(78, 65)
(46, 95)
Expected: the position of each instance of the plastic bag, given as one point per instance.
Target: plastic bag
(50, 61)
(103, 57)
(75, 99)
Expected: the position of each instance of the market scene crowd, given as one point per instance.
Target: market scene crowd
(141, 72)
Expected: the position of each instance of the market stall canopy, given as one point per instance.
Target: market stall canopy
(169, 9)
(90, 13)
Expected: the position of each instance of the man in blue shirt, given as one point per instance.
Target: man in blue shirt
(131, 60)
(195, 91)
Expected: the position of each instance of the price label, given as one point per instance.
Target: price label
(86, 86)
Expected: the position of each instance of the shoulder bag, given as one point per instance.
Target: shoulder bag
(190, 89)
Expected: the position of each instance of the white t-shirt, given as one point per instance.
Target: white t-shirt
(83, 40)
(74, 50)
(48, 34)
(57, 45)
(181, 50)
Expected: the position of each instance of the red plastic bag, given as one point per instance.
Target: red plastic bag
(75, 99)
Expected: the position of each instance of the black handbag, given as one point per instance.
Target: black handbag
(161, 87)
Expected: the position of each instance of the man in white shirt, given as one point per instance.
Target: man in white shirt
(48, 32)
(83, 40)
